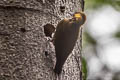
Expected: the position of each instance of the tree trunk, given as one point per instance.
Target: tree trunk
(25, 52)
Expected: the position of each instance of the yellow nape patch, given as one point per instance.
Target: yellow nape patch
(77, 15)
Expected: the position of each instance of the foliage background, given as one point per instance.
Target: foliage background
(101, 40)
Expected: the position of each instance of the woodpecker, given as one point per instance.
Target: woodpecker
(65, 37)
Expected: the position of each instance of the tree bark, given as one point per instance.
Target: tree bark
(25, 52)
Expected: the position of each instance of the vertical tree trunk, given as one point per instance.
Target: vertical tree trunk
(25, 53)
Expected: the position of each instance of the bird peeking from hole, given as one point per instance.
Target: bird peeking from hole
(65, 38)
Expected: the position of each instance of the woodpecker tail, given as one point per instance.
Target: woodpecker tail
(58, 68)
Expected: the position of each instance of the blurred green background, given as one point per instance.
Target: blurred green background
(101, 39)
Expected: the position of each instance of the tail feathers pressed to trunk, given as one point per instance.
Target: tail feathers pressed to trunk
(58, 69)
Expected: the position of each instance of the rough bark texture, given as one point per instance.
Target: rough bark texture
(25, 53)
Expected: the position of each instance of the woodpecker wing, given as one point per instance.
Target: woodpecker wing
(65, 39)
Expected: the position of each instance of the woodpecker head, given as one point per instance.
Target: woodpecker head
(79, 17)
